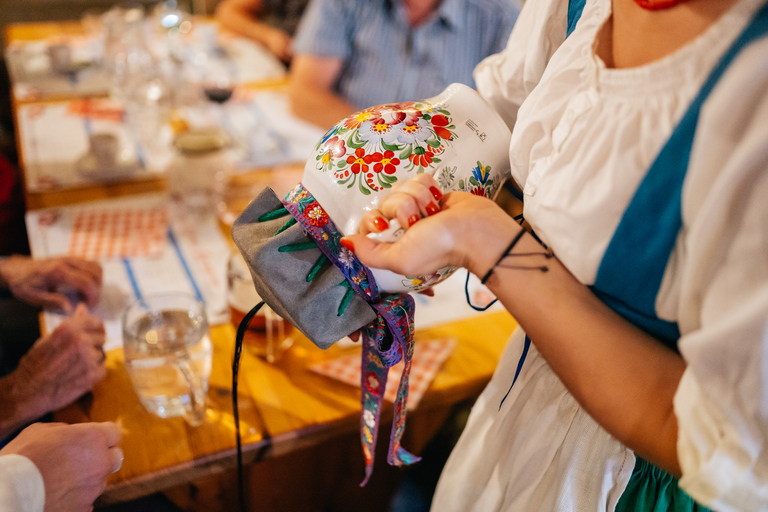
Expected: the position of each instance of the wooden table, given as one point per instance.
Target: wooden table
(297, 406)
(38, 199)
(302, 411)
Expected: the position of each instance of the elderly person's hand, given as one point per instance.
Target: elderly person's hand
(45, 282)
(58, 369)
(74, 461)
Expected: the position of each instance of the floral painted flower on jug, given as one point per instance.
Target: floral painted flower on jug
(367, 149)
(456, 136)
(418, 283)
(480, 182)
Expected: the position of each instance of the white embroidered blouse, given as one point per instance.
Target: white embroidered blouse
(583, 138)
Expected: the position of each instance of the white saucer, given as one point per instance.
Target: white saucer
(121, 168)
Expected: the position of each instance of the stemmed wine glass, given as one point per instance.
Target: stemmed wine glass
(218, 82)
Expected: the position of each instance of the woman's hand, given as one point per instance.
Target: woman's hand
(440, 230)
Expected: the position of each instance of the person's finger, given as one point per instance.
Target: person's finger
(83, 282)
(403, 207)
(372, 254)
(429, 189)
(429, 292)
(116, 456)
(410, 202)
(50, 300)
(88, 322)
(373, 221)
(109, 433)
(101, 356)
(92, 268)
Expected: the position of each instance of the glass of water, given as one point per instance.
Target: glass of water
(168, 354)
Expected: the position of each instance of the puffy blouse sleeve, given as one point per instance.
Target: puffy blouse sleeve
(722, 401)
(506, 78)
(21, 485)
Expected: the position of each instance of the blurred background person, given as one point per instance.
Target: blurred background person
(271, 23)
(353, 54)
(56, 467)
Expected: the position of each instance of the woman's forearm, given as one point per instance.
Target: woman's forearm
(623, 377)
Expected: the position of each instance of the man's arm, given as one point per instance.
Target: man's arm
(311, 90)
(244, 17)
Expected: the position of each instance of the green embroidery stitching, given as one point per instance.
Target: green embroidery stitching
(287, 225)
(275, 214)
(298, 246)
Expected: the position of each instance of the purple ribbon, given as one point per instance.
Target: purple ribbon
(386, 340)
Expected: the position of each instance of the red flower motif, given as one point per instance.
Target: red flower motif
(479, 191)
(422, 157)
(315, 214)
(439, 122)
(371, 382)
(335, 146)
(386, 162)
(354, 123)
(396, 113)
(360, 161)
(371, 184)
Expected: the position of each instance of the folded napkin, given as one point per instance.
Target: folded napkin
(428, 358)
(118, 233)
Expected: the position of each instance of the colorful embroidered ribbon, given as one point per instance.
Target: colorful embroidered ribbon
(386, 340)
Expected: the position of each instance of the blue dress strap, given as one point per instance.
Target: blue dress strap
(632, 268)
(575, 7)
(631, 271)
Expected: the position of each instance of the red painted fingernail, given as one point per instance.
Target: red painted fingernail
(348, 244)
(436, 193)
(380, 223)
(413, 219)
(432, 209)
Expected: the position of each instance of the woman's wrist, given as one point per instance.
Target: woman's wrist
(485, 241)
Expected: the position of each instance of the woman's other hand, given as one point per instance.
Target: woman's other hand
(457, 229)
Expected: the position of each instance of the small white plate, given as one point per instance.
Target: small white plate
(121, 168)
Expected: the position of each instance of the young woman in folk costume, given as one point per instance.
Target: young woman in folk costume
(640, 142)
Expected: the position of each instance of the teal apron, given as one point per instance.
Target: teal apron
(643, 242)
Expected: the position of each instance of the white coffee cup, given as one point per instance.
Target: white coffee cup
(104, 147)
(60, 55)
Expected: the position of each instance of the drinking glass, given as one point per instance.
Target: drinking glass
(198, 172)
(168, 354)
(268, 335)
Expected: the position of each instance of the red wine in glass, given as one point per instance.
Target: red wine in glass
(218, 94)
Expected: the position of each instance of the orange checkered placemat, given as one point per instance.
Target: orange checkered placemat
(428, 357)
(123, 232)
